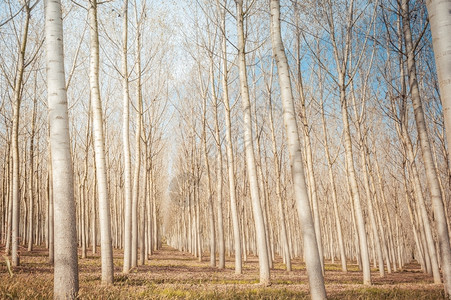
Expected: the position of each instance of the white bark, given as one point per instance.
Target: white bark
(66, 261)
(139, 126)
(308, 153)
(363, 161)
(311, 253)
(344, 267)
(15, 258)
(31, 194)
(229, 150)
(221, 246)
(283, 228)
(440, 20)
(126, 145)
(249, 149)
(418, 192)
(431, 172)
(136, 175)
(99, 150)
(342, 65)
(10, 204)
(50, 215)
(209, 188)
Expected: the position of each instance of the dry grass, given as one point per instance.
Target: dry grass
(175, 275)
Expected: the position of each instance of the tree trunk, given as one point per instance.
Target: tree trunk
(99, 149)
(343, 70)
(139, 128)
(9, 217)
(208, 173)
(311, 254)
(379, 261)
(283, 228)
(379, 217)
(84, 191)
(221, 246)
(249, 149)
(66, 260)
(50, 214)
(431, 173)
(15, 236)
(137, 171)
(440, 20)
(126, 145)
(94, 211)
(353, 187)
(308, 149)
(31, 181)
(143, 219)
(344, 267)
(229, 150)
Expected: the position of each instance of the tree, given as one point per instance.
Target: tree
(221, 246)
(126, 146)
(281, 211)
(31, 193)
(139, 112)
(138, 137)
(217, 137)
(344, 267)
(345, 71)
(249, 149)
(431, 172)
(229, 146)
(306, 132)
(50, 208)
(15, 258)
(440, 22)
(66, 261)
(360, 115)
(210, 202)
(399, 113)
(99, 150)
(311, 253)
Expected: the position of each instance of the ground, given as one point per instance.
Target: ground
(170, 274)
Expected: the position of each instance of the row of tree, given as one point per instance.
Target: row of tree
(353, 70)
(337, 151)
(63, 183)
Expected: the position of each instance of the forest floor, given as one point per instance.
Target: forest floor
(171, 274)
